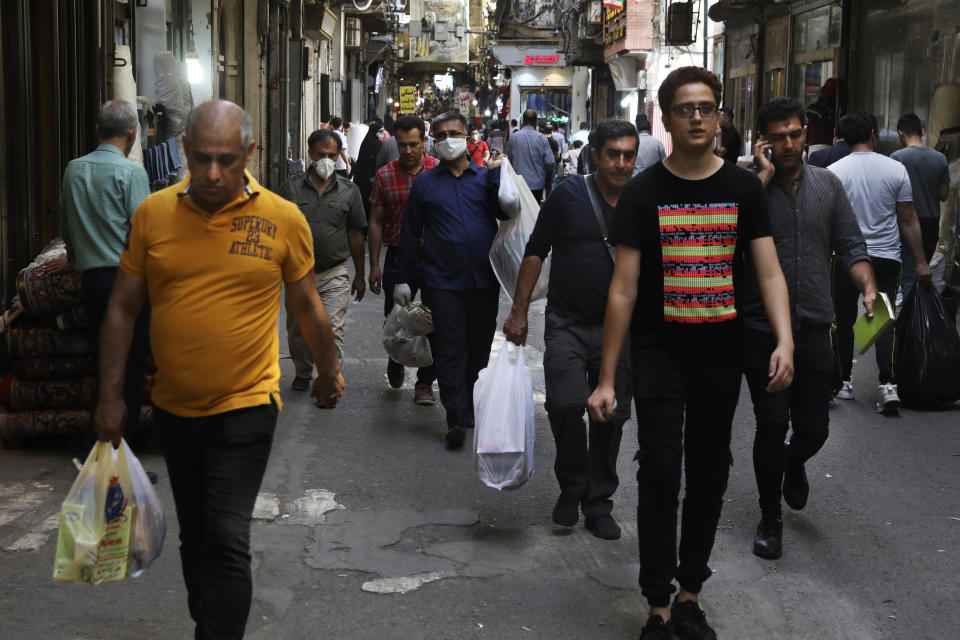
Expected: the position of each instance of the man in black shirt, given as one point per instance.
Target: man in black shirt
(730, 142)
(811, 220)
(681, 227)
(569, 225)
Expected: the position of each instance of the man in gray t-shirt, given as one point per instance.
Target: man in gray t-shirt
(930, 181)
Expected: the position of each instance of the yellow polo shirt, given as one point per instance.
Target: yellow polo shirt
(215, 287)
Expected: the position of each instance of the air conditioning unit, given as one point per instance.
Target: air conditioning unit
(353, 38)
(680, 24)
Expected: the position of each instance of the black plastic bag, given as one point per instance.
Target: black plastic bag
(927, 350)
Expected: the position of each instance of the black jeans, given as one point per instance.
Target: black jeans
(685, 405)
(930, 235)
(425, 375)
(97, 287)
(846, 297)
(805, 406)
(216, 464)
(586, 462)
(463, 326)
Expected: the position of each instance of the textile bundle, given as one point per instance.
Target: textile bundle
(52, 383)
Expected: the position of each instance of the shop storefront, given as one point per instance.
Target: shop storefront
(541, 80)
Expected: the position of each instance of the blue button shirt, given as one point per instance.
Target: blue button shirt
(457, 218)
(531, 156)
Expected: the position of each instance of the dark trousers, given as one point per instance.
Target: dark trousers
(463, 326)
(685, 406)
(586, 462)
(805, 406)
(846, 297)
(97, 287)
(216, 464)
(425, 375)
(930, 234)
(538, 194)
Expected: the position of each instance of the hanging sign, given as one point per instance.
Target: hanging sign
(408, 99)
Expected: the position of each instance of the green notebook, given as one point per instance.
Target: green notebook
(867, 330)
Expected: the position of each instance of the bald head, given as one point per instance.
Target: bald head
(222, 116)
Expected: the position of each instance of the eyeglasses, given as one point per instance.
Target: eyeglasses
(685, 110)
(443, 135)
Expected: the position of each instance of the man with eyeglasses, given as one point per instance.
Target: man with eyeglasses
(573, 225)
(454, 208)
(811, 219)
(681, 228)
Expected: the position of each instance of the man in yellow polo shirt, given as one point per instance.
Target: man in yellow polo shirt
(213, 253)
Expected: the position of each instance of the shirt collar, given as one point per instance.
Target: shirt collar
(111, 148)
(251, 189)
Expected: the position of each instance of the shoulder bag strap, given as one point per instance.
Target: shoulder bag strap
(595, 201)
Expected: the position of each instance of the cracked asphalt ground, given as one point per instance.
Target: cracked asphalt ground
(368, 528)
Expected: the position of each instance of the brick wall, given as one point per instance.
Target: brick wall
(639, 29)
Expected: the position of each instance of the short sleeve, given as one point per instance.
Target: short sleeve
(945, 177)
(541, 238)
(357, 218)
(627, 216)
(137, 190)
(904, 190)
(754, 218)
(376, 191)
(299, 259)
(133, 259)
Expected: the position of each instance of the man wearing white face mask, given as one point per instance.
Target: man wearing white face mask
(334, 211)
(454, 208)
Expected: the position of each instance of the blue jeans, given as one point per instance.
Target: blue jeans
(216, 464)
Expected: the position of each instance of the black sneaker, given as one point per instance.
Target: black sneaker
(455, 437)
(604, 527)
(690, 622)
(768, 542)
(300, 384)
(657, 629)
(565, 513)
(795, 486)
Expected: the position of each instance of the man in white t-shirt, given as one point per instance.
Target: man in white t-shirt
(343, 161)
(880, 193)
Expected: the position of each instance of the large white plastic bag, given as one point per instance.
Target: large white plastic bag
(505, 428)
(508, 195)
(151, 521)
(405, 335)
(506, 254)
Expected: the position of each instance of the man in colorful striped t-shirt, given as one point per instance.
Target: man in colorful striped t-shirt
(682, 225)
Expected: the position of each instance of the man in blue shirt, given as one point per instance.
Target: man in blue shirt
(99, 194)
(530, 154)
(453, 208)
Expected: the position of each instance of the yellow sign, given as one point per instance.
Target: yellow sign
(408, 99)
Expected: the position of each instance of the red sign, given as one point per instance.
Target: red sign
(542, 59)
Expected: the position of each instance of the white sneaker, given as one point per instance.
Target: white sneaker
(846, 391)
(888, 402)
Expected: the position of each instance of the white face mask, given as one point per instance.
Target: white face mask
(475, 137)
(450, 149)
(324, 167)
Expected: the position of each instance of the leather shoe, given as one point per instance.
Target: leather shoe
(768, 543)
(604, 527)
(795, 486)
(300, 383)
(565, 513)
(394, 374)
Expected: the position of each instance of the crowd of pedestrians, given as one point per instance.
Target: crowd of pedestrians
(673, 277)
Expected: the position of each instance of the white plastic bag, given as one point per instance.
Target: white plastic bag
(505, 428)
(405, 335)
(506, 254)
(508, 195)
(111, 522)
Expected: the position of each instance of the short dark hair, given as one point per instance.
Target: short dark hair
(577, 144)
(336, 122)
(584, 125)
(449, 115)
(513, 122)
(727, 111)
(687, 75)
(610, 129)
(323, 136)
(409, 123)
(643, 123)
(910, 124)
(857, 127)
(780, 110)
(530, 117)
